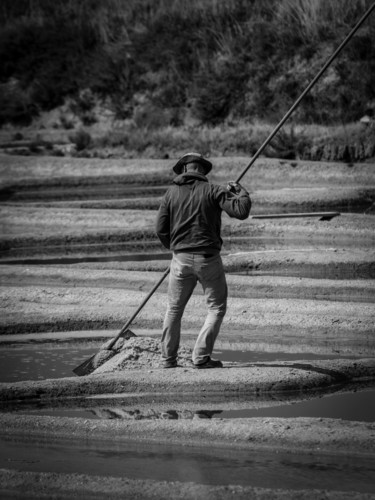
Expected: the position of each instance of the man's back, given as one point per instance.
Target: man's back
(189, 217)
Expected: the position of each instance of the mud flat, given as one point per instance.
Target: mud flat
(265, 311)
(84, 486)
(63, 456)
(114, 377)
(78, 255)
(254, 440)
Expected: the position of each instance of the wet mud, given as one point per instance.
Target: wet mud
(78, 254)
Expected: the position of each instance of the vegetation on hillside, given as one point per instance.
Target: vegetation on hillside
(164, 62)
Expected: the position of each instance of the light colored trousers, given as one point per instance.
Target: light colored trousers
(186, 270)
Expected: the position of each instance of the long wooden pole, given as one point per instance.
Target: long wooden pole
(86, 367)
(269, 138)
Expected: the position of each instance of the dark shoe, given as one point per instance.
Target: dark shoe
(210, 363)
(169, 364)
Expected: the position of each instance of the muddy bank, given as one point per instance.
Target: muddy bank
(120, 222)
(326, 263)
(303, 287)
(76, 304)
(249, 378)
(302, 433)
(78, 486)
(350, 198)
(203, 405)
(34, 236)
(111, 275)
(33, 309)
(42, 227)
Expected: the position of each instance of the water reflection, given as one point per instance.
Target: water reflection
(355, 405)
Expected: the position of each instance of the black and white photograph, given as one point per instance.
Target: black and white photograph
(187, 249)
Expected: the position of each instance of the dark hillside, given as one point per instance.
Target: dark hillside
(164, 60)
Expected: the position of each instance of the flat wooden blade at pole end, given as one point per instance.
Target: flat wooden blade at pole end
(94, 362)
(99, 358)
(86, 367)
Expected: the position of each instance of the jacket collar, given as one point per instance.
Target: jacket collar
(189, 177)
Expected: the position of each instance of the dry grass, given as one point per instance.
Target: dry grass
(309, 17)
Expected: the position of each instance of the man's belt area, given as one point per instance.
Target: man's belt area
(205, 254)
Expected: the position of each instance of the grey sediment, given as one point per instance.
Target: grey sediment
(78, 486)
(25, 226)
(251, 378)
(276, 433)
(54, 207)
(115, 275)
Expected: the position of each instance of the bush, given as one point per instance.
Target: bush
(226, 59)
(289, 144)
(81, 139)
(83, 105)
(149, 116)
(16, 104)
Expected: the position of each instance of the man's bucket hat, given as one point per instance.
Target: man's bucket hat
(192, 158)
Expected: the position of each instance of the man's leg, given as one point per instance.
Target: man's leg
(182, 282)
(212, 277)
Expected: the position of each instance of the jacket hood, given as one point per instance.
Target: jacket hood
(189, 178)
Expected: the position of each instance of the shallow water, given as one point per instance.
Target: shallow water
(354, 406)
(39, 362)
(185, 464)
(130, 257)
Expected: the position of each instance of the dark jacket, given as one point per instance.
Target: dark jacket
(189, 217)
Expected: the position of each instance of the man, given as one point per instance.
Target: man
(189, 224)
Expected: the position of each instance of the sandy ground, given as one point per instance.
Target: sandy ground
(249, 378)
(63, 298)
(296, 285)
